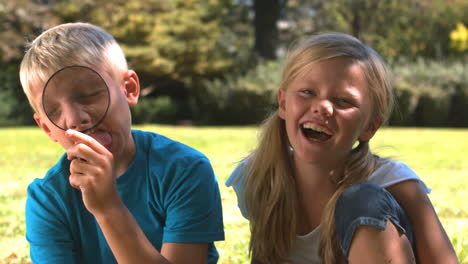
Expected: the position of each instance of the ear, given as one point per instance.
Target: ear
(44, 126)
(370, 130)
(131, 87)
(281, 103)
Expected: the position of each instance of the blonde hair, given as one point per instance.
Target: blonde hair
(69, 44)
(271, 196)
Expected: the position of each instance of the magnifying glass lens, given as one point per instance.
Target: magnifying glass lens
(76, 97)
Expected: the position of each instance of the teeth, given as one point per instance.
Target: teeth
(315, 128)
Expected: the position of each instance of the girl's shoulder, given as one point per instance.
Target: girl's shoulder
(237, 181)
(238, 174)
(391, 172)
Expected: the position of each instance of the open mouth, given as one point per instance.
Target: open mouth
(315, 132)
(104, 138)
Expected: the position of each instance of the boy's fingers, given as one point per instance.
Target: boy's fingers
(79, 137)
(82, 152)
(78, 166)
(80, 182)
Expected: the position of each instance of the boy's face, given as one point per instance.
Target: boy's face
(76, 97)
(114, 131)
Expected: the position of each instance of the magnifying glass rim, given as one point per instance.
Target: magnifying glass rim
(76, 66)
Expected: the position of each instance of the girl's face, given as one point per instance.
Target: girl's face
(326, 110)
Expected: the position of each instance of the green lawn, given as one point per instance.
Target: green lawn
(439, 156)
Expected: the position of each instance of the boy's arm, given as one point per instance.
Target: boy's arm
(188, 253)
(93, 175)
(432, 243)
(130, 245)
(126, 239)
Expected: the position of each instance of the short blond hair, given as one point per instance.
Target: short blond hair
(65, 45)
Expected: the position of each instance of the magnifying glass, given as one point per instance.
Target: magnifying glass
(76, 97)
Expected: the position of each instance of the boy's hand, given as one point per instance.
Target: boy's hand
(92, 172)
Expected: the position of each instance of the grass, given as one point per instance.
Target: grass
(437, 155)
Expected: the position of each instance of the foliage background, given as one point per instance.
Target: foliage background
(200, 61)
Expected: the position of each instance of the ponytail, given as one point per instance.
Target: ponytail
(360, 164)
(270, 195)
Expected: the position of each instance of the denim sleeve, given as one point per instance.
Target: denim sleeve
(371, 205)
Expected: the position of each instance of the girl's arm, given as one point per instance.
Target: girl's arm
(432, 243)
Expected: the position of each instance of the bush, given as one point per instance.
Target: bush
(7, 98)
(430, 93)
(154, 110)
(458, 106)
(240, 100)
(14, 107)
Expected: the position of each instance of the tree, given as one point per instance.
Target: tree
(19, 21)
(397, 28)
(266, 31)
(176, 39)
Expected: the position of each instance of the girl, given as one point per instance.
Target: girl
(312, 190)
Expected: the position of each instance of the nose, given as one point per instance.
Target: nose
(324, 108)
(75, 118)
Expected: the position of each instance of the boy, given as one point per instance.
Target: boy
(132, 196)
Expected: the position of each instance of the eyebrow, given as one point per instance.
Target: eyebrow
(302, 81)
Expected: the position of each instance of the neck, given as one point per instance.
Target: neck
(315, 175)
(315, 187)
(123, 161)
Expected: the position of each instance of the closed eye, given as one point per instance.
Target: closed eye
(308, 92)
(53, 113)
(345, 102)
(91, 97)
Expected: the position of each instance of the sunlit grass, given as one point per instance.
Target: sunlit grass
(437, 155)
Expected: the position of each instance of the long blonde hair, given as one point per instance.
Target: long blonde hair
(270, 192)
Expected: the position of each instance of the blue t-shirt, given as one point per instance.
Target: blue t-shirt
(169, 188)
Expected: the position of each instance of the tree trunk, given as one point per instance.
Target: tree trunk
(266, 31)
(356, 21)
